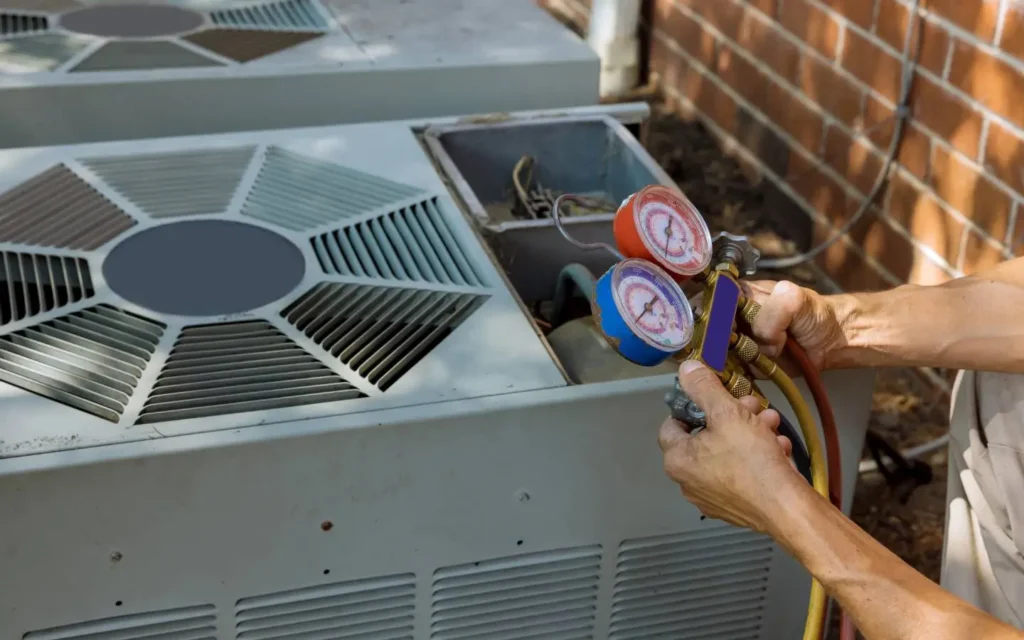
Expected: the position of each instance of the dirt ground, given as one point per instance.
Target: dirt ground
(907, 411)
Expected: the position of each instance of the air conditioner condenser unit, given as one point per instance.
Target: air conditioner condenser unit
(94, 70)
(280, 385)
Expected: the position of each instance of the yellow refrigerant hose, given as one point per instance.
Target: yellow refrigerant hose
(819, 474)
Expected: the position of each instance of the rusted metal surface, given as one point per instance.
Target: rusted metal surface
(245, 46)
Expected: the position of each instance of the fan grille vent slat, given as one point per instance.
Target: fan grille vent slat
(246, 46)
(412, 243)
(91, 360)
(233, 368)
(169, 185)
(299, 193)
(381, 333)
(58, 209)
(31, 284)
(378, 608)
(44, 52)
(543, 595)
(18, 24)
(708, 584)
(190, 623)
(290, 14)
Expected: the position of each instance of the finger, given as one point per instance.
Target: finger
(751, 404)
(757, 290)
(770, 419)
(703, 386)
(670, 434)
(787, 446)
(778, 311)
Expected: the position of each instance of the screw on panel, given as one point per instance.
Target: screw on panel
(522, 496)
(116, 556)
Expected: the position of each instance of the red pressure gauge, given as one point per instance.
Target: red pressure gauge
(659, 224)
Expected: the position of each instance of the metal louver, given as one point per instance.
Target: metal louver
(372, 608)
(288, 14)
(549, 595)
(31, 284)
(171, 185)
(707, 584)
(12, 24)
(190, 623)
(412, 243)
(238, 367)
(379, 332)
(58, 209)
(91, 360)
(299, 193)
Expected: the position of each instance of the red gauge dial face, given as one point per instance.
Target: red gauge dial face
(674, 232)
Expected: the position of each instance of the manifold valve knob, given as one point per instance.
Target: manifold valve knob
(727, 247)
(684, 409)
(746, 349)
(739, 386)
(750, 311)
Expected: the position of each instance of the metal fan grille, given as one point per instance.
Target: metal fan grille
(234, 368)
(289, 14)
(171, 185)
(379, 332)
(551, 595)
(190, 623)
(707, 584)
(58, 209)
(91, 360)
(246, 46)
(299, 193)
(18, 24)
(373, 608)
(32, 284)
(413, 243)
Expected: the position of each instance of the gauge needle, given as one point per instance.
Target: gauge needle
(668, 236)
(647, 309)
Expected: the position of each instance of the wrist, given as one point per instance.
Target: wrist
(857, 321)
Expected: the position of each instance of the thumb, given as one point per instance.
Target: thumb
(703, 386)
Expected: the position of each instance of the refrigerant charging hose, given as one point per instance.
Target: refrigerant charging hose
(819, 475)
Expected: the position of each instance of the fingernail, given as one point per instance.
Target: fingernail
(689, 366)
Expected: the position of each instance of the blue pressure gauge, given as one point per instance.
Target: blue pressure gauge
(642, 312)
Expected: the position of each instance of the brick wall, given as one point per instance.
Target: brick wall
(807, 89)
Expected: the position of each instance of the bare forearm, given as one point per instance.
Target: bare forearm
(887, 599)
(968, 323)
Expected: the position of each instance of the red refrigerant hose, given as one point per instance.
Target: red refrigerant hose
(835, 470)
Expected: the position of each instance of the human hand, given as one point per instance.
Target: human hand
(787, 308)
(738, 466)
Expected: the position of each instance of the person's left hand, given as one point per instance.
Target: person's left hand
(736, 468)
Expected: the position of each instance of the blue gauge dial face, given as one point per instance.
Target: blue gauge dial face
(652, 305)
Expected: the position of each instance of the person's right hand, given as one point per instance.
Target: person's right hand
(787, 308)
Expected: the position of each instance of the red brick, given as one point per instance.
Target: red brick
(979, 253)
(872, 65)
(855, 160)
(1016, 239)
(794, 116)
(915, 147)
(818, 189)
(811, 24)
(1004, 156)
(714, 102)
(741, 75)
(924, 218)
(947, 115)
(835, 92)
(859, 12)
(989, 80)
(724, 15)
(765, 42)
(977, 16)
(847, 267)
(768, 7)
(1012, 39)
(670, 22)
(893, 19)
(969, 192)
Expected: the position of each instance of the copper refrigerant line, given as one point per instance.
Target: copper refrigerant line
(537, 201)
